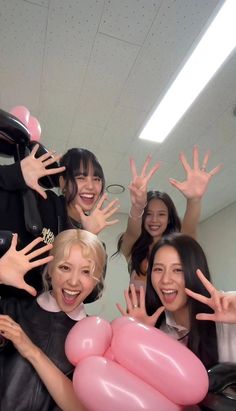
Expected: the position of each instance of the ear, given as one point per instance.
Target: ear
(49, 271)
(61, 183)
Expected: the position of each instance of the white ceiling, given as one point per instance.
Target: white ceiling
(91, 71)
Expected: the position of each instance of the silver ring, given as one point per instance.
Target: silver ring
(135, 306)
(203, 167)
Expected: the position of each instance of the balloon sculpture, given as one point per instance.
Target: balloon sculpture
(32, 124)
(126, 365)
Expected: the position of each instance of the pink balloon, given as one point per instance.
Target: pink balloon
(164, 363)
(34, 128)
(22, 113)
(90, 336)
(104, 385)
(119, 322)
(109, 354)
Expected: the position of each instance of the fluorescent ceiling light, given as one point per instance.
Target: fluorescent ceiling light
(214, 47)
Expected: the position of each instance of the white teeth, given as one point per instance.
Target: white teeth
(70, 292)
(169, 291)
(87, 195)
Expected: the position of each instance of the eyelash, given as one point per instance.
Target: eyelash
(160, 270)
(63, 267)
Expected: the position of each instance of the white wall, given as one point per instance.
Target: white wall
(117, 277)
(217, 236)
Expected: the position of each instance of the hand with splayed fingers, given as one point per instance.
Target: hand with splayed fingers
(15, 264)
(197, 177)
(98, 218)
(135, 307)
(34, 168)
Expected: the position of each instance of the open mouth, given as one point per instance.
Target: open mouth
(70, 296)
(87, 198)
(169, 295)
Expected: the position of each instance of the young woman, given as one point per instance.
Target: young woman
(81, 204)
(153, 214)
(181, 301)
(32, 358)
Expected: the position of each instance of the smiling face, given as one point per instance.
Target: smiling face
(84, 190)
(73, 279)
(169, 282)
(89, 188)
(156, 219)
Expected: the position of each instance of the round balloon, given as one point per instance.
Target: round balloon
(34, 128)
(90, 336)
(22, 113)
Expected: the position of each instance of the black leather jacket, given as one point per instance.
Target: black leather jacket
(20, 387)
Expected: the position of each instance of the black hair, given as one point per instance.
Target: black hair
(202, 339)
(78, 161)
(140, 249)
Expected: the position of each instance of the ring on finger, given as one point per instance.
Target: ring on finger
(203, 168)
(135, 305)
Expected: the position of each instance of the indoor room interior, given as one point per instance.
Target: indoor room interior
(92, 72)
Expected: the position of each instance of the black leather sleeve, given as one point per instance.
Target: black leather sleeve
(11, 177)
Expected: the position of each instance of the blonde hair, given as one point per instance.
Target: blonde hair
(91, 248)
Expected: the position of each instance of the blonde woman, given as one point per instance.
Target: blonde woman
(33, 364)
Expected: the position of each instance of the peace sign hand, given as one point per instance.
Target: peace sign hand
(136, 309)
(223, 305)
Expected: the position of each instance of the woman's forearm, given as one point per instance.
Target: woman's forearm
(58, 385)
(191, 217)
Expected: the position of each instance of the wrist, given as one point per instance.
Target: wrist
(195, 200)
(136, 212)
(33, 355)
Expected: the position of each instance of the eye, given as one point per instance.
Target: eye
(64, 267)
(97, 179)
(80, 177)
(86, 273)
(178, 270)
(157, 269)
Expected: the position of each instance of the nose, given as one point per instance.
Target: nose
(89, 182)
(74, 279)
(166, 277)
(154, 218)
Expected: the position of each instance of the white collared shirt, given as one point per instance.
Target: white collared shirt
(170, 327)
(48, 303)
(226, 336)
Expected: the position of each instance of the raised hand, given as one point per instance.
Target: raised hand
(15, 264)
(136, 307)
(98, 218)
(223, 304)
(139, 183)
(197, 178)
(34, 168)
